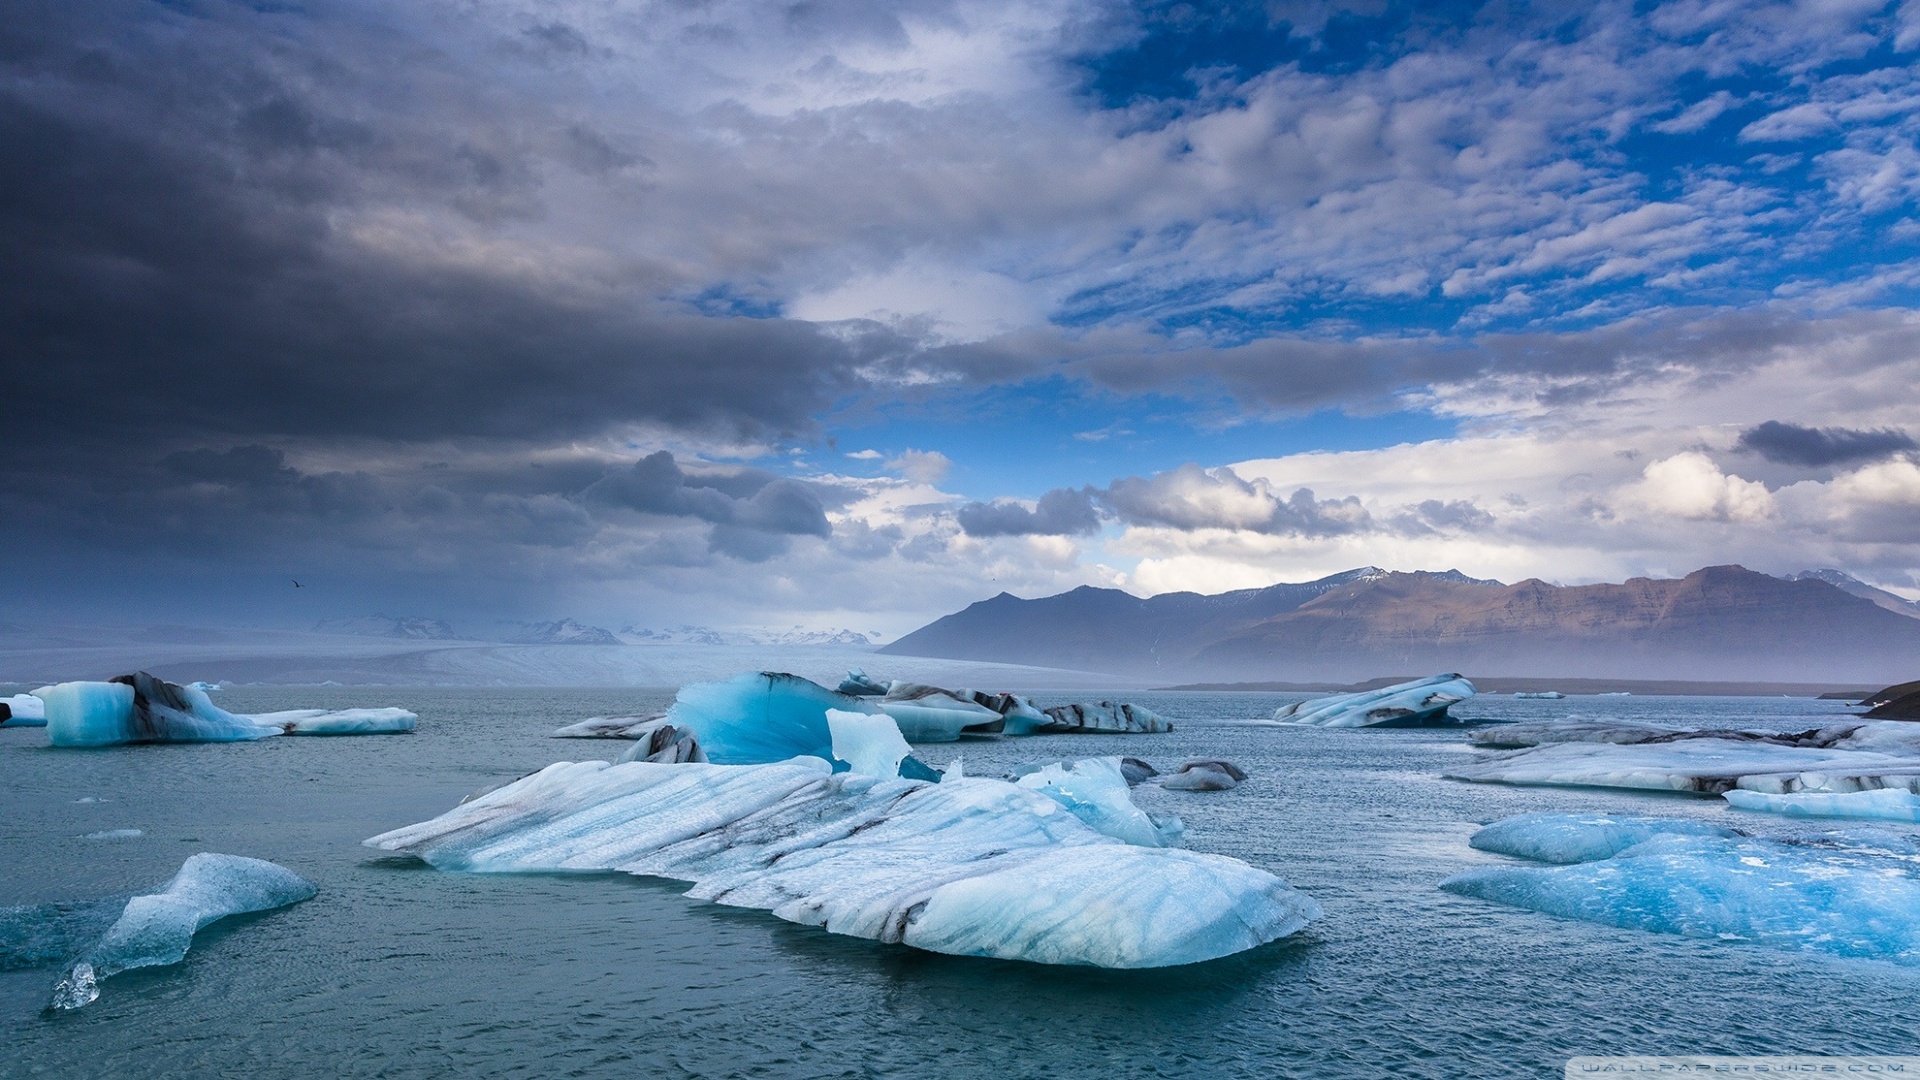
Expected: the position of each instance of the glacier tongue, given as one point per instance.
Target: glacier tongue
(1843, 896)
(1407, 704)
(156, 929)
(970, 866)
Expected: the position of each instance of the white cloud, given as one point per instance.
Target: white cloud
(1690, 485)
(922, 466)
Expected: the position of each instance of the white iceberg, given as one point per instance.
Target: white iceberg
(1407, 704)
(140, 708)
(971, 867)
(1857, 756)
(1104, 718)
(339, 721)
(869, 744)
(1546, 732)
(1836, 896)
(1203, 774)
(609, 727)
(156, 929)
(1880, 804)
(1095, 791)
(23, 710)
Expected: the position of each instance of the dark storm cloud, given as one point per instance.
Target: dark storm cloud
(172, 261)
(746, 501)
(1791, 444)
(1060, 512)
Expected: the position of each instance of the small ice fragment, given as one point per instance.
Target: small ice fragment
(1203, 774)
(113, 834)
(1408, 704)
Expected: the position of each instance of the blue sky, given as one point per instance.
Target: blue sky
(925, 300)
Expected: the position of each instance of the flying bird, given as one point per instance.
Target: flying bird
(297, 585)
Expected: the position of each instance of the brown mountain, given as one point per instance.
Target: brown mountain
(1720, 623)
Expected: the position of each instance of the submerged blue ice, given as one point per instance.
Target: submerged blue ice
(1837, 895)
(140, 708)
(1578, 838)
(1879, 804)
(156, 929)
(1407, 704)
(970, 866)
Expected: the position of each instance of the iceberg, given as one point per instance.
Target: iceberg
(858, 684)
(1095, 791)
(1203, 774)
(930, 714)
(660, 741)
(1542, 695)
(1880, 804)
(23, 710)
(970, 867)
(140, 708)
(609, 727)
(1856, 756)
(156, 929)
(868, 744)
(1543, 732)
(1845, 897)
(1578, 838)
(758, 719)
(1104, 718)
(1407, 704)
(1136, 771)
(339, 721)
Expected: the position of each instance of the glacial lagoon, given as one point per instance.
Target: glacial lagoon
(397, 970)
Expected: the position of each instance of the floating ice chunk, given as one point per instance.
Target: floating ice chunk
(1578, 838)
(1882, 804)
(972, 867)
(139, 708)
(659, 740)
(609, 727)
(1849, 899)
(114, 834)
(869, 744)
(339, 721)
(1095, 791)
(858, 684)
(206, 687)
(930, 714)
(1838, 758)
(1203, 774)
(1105, 718)
(1407, 704)
(23, 710)
(156, 929)
(1137, 771)
(761, 718)
(1543, 695)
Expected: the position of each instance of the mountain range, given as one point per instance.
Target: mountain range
(1718, 623)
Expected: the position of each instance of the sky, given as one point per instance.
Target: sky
(842, 313)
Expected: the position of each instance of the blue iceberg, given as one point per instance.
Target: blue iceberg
(1842, 896)
(970, 867)
(1578, 838)
(1407, 704)
(859, 684)
(140, 708)
(769, 716)
(156, 929)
